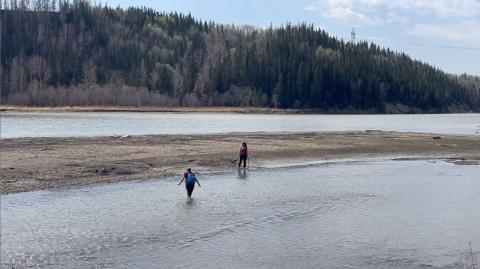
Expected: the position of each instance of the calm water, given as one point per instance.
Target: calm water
(105, 124)
(381, 214)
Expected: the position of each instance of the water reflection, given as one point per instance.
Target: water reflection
(242, 173)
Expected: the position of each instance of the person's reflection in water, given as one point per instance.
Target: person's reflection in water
(242, 173)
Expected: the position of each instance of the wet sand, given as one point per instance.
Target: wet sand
(29, 164)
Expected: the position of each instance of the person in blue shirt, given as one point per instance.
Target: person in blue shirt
(190, 179)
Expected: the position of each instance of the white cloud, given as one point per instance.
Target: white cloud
(452, 20)
(347, 15)
(441, 8)
(338, 3)
(311, 8)
(349, 12)
(351, 3)
(394, 18)
(438, 8)
(466, 32)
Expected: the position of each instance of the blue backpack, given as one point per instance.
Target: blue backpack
(191, 179)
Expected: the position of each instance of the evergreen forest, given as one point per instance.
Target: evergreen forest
(74, 53)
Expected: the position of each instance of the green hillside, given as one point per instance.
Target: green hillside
(74, 53)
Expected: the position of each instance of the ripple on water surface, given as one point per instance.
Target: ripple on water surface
(382, 214)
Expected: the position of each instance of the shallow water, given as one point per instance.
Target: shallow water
(375, 214)
(15, 124)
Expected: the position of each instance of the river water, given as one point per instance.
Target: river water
(359, 214)
(15, 124)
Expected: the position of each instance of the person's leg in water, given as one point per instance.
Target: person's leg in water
(190, 188)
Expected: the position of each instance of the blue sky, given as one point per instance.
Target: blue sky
(444, 33)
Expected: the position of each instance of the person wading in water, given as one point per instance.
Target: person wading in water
(190, 180)
(243, 155)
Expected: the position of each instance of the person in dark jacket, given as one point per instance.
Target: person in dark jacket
(243, 154)
(190, 180)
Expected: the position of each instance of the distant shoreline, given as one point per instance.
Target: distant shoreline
(30, 164)
(239, 110)
(252, 110)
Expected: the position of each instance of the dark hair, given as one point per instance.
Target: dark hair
(244, 144)
(189, 169)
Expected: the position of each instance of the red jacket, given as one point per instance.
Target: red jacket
(243, 151)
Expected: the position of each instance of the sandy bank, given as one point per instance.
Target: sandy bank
(38, 163)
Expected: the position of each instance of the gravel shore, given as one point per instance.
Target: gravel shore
(29, 164)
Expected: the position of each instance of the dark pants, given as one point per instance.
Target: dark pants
(244, 159)
(190, 188)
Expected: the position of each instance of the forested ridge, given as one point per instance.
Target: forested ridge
(75, 53)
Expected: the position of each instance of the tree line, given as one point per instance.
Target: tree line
(56, 53)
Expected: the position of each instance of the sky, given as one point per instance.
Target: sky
(443, 33)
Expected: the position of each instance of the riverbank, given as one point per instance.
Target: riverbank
(389, 109)
(250, 110)
(29, 164)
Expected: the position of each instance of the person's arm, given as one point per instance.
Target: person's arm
(183, 178)
(198, 182)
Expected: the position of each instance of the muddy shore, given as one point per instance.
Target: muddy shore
(29, 164)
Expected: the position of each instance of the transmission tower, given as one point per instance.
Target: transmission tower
(353, 35)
